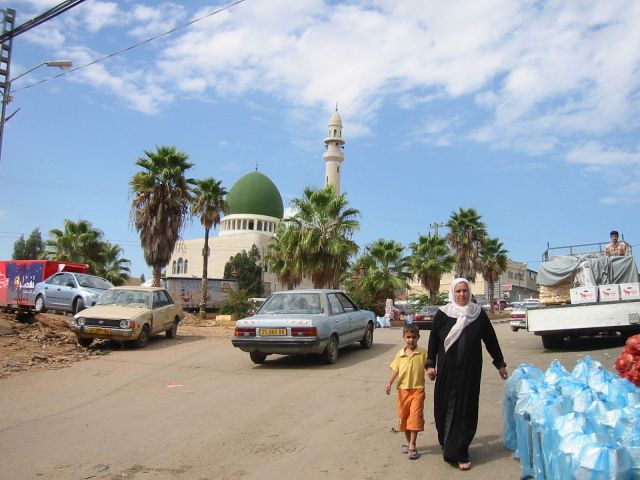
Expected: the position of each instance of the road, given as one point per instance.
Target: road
(196, 408)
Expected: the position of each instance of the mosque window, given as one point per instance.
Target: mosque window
(335, 132)
(338, 169)
(186, 265)
(244, 224)
(173, 267)
(259, 225)
(250, 224)
(179, 269)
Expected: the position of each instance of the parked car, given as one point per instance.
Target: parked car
(424, 318)
(295, 322)
(128, 314)
(69, 292)
(518, 319)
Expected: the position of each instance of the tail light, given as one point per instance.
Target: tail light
(244, 332)
(304, 332)
(418, 317)
(518, 315)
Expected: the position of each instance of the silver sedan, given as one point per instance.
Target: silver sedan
(294, 322)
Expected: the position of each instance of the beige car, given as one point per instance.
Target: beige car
(128, 314)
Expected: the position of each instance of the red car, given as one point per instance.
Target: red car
(424, 318)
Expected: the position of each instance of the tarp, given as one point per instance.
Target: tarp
(605, 270)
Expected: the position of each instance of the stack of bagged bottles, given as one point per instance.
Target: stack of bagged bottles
(583, 424)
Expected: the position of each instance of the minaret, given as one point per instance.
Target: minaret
(334, 154)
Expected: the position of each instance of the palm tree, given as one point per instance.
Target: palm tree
(387, 269)
(281, 263)
(466, 236)
(77, 242)
(321, 232)
(114, 268)
(493, 261)
(208, 204)
(161, 197)
(430, 258)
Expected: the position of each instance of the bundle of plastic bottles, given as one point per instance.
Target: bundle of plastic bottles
(583, 424)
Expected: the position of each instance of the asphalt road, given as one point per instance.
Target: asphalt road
(196, 408)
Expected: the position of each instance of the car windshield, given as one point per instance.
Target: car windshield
(429, 309)
(131, 298)
(89, 281)
(292, 303)
(518, 306)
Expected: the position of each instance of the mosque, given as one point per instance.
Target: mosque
(255, 210)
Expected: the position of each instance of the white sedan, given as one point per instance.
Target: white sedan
(294, 322)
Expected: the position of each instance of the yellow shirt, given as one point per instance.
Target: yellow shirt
(410, 368)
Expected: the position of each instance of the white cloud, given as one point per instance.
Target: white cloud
(156, 19)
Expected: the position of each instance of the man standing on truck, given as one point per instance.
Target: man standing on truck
(616, 248)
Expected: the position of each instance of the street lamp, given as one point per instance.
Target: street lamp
(524, 265)
(6, 97)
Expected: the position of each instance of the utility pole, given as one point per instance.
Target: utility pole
(436, 226)
(8, 22)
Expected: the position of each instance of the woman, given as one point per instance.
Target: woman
(455, 354)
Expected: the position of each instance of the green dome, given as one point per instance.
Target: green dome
(255, 194)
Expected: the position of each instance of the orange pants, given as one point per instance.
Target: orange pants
(410, 409)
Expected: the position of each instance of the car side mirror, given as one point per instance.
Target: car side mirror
(70, 284)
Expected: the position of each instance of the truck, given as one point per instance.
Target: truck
(18, 278)
(606, 301)
(185, 291)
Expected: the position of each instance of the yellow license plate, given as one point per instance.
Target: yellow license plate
(99, 331)
(264, 332)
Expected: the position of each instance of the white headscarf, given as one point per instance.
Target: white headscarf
(464, 315)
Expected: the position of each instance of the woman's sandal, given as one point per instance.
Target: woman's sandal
(404, 449)
(464, 466)
(413, 454)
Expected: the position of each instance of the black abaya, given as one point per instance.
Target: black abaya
(457, 389)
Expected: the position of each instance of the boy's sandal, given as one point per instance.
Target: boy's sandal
(404, 449)
(413, 454)
(464, 466)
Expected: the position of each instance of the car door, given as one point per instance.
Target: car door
(357, 321)
(339, 319)
(67, 291)
(53, 289)
(161, 311)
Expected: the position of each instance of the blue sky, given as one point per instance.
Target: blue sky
(525, 111)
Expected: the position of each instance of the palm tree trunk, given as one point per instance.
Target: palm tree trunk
(156, 275)
(491, 294)
(205, 283)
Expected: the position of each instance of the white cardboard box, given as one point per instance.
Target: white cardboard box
(629, 291)
(609, 293)
(584, 295)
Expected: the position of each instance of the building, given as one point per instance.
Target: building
(255, 210)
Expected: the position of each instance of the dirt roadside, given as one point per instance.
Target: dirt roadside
(46, 342)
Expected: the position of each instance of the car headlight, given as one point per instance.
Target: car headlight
(80, 321)
(124, 323)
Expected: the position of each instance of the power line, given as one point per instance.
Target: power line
(131, 47)
(40, 19)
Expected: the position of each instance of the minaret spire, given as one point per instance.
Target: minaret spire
(334, 154)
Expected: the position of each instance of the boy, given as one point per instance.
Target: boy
(409, 367)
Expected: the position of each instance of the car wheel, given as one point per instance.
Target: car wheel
(173, 331)
(514, 329)
(78, 305)
(330, 354)
(367, 340)
(39, 306)
(258, 357)
(143, 339)
(85, 342)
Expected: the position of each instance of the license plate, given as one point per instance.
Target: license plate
(99, 331)
(270, 332)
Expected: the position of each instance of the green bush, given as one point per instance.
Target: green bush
(238, 304)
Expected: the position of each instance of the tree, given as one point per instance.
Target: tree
(80, 242)
(114, 267)
(160, 206)
(209, 204)
(321, 234)
(493, 262)
(430, 258)
(246, 269)
(30, 249)
(466, 236)
(286, 267)
(387, 269)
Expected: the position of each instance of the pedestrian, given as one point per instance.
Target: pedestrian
(616, 248)
(408, 367)
(454, 361)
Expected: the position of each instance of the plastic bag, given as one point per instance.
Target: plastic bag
(585, 368)
(602, 461)
(555, 372)
(524, 371)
